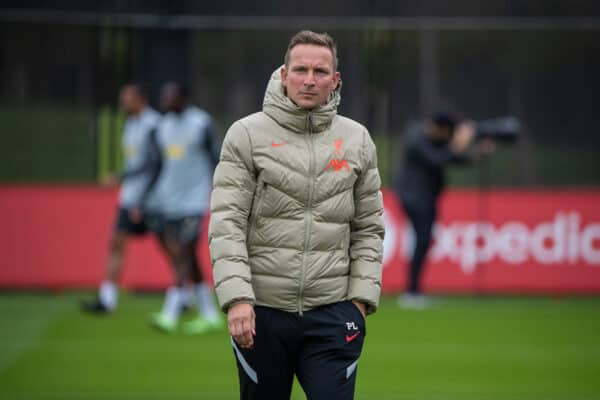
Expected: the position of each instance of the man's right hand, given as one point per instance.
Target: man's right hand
(463, 136)
(241, 321)
(109, 180)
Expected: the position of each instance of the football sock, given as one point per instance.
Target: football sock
(173, 302)
(108, 294)
(206, 303)
(189, 296)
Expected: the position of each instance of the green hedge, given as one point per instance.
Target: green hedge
(47, 143)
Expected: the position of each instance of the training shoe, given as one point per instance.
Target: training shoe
(94, 307)
(413, 301)
(163, 323)
(201, 325)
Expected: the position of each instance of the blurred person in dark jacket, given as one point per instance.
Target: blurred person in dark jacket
(444, 139)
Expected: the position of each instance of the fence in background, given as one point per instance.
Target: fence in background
(60, 71)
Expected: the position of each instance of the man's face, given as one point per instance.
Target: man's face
(438, 133)
(129, 100)
(309, 77)
(170, 98)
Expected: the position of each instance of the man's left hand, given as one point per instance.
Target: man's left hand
(361, 307)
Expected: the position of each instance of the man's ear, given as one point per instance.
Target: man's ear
(283, 73)
(336, 80)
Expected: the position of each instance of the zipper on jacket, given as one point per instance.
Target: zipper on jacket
(254, 216)
(307, 209)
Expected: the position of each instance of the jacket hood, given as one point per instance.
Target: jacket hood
(287, 114)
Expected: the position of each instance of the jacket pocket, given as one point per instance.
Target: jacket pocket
(256, 208)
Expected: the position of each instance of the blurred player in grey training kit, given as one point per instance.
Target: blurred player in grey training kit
(189, 145)
(135, 181)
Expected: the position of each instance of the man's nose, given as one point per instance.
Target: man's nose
(310, 79)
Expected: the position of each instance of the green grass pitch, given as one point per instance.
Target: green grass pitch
(462, 348)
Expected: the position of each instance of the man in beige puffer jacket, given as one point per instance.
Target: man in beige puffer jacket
(296, 232)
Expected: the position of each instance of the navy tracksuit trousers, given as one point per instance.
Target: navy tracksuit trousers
(321, 347)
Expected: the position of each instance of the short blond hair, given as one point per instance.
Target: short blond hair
(317, 39)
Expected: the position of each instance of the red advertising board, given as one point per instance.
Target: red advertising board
(58, 237)
(503, 241)
(497, 242)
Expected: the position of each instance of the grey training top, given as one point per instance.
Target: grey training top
(137, 147)
(189, 148)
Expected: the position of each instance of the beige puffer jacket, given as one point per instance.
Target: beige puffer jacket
(296, 210)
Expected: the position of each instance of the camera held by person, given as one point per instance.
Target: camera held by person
(502, 129)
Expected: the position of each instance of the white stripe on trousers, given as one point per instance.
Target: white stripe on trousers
(245, 366)
(351, 368)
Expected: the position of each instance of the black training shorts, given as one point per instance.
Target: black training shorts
(125, 224)
(183, 230)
